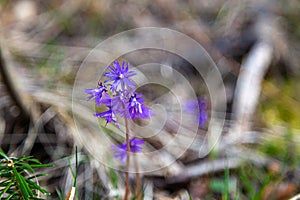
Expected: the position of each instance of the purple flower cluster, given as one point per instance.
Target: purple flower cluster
(118, 94)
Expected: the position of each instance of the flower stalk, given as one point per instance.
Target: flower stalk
(127, 189)
(138, 185)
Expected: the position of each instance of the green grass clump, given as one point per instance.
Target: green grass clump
(18, 179)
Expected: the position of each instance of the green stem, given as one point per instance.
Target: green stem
(127, 189)
(138, 184)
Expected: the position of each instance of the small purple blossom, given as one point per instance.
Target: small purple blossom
(191, 106)
(96, 93)
(119, 75)
(120, 103)
(203, 115)
(121, 150)
(109, 116)
(136, 107)
(107, 100)
(136, 145)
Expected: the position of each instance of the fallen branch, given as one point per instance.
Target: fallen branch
(202, 168)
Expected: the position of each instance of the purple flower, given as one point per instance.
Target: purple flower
(119, 75)
(107, 100)
(203, 115)
(121, 150)
(109, 116)
(191, 106)
(120, 103)
(136, 107)
(136, 145)
(96, 93)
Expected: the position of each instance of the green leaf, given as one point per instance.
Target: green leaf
(6, 188)
(34, 160)
(76, 167)
(3, 155)
(113, 177)
(217, 185)
(42, 165)
(12, 195)
(190, 196)
(36, 176)
(25, 190)
(226, 184)
(26, 166)
(59, 194)
(37, 187)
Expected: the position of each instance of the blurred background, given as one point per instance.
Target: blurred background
(255, 46)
